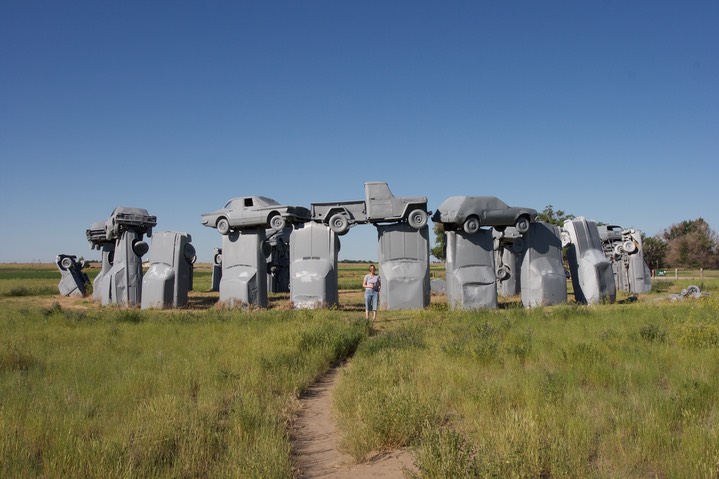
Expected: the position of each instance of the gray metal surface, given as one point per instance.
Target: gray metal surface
(216, 269)
(126, 218)
(404, 266)
(254, 212)
(379, 206)
(508, 254)
(72, 279)
(122, 285)
(244, 269)
(169, 277)
(97, 237)
(313, 266)
(470, 268)
(592, 273)
(471, 212)
(639, 273)
(544, 281)
(624, 249)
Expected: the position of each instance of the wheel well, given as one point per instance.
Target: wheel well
(272, 216)
(335, 211)
(412, 207)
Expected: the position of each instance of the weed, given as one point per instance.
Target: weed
(652, 332)
(14, 357)
(445, 454)
(128, 316)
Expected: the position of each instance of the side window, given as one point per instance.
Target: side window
(248, 202)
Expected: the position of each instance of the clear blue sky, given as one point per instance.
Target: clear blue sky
(605, 109)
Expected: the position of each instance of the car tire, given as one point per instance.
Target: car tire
(471, 225)
(266, 249)
(66, 263)
(417, 219)
(503, 273)
(223, 226)
(218, 259)
(522, 224)
(190, 253)
(339, 223)
(277, 222)
(629, 246)
(140, 248)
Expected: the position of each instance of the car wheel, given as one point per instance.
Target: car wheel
(417, 219)
(277, 222)
(522, 224)
(223, 226)
(266, 249)
(218, 259)
(629, 246)
(140, 248)
(339, 223)
(190, 253)
(503, 273)
(471, 225)
(500, 228)
(693, 289)
(66, 263)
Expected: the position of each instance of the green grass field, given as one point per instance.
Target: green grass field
(622, 390)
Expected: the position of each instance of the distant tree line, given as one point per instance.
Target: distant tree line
(689, 244)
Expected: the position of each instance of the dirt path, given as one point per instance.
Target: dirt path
(316, 439)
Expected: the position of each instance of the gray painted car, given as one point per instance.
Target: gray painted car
(254, 211)
(124, 217)
(471, 212)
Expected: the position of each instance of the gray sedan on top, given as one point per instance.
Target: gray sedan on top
(254, 211)
(471, 212)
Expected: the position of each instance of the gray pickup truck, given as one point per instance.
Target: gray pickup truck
(379, 205)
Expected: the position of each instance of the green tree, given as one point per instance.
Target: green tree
(440, 249)
(691, 244)
(655, 251)
(549, 215)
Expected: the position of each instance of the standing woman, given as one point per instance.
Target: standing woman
(371, 284)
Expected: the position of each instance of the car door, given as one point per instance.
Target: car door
(250, 211)
(379, 201)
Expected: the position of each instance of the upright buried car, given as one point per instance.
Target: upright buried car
(254, 211)
(471, 212)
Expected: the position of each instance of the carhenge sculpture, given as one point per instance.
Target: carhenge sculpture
(543, 280)
(72, 279)
(470, 266)
(509, 248)
(169, 278)
(314, 245)
(313, 266)
(122, 284)
(592, 275)
(624, 249)
(97, 237)
(404, 266)
(403, 238)
(244, 223)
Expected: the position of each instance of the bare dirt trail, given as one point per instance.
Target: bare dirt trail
(316, 440)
